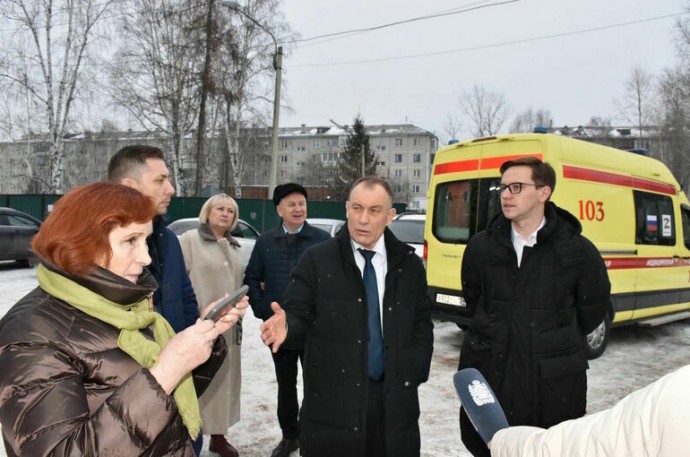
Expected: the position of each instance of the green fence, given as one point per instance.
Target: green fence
(259, 213)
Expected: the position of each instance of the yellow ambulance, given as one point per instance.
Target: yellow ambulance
(630, 206)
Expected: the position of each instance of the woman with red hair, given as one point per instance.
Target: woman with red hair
(88, 368)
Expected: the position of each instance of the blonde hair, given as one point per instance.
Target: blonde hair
(218, 199)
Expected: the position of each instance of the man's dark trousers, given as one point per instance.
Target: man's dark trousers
(285, 361)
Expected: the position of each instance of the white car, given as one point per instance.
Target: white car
(243, 232)
(409, 228)
(330, 226)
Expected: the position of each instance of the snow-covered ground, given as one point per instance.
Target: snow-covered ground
(635, 357)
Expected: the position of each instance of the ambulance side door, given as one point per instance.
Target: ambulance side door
(659, 274)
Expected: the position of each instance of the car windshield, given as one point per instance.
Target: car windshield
(408, 231)
(325, 227)
(244, 230)
(181, 226)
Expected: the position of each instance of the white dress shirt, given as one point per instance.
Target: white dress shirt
(519, 242)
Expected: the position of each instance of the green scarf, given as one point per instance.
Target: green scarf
(130, 319)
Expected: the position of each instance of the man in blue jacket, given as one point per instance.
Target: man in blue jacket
(275, 254)
(143, 168)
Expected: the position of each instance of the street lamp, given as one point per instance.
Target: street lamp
(278, 67)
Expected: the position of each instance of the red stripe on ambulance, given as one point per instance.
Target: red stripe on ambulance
(623, 263)
(489, 163)
(587, 174)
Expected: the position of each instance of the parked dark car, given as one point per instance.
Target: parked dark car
(16, 231)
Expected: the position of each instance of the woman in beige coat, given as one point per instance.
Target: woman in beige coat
(216, 267)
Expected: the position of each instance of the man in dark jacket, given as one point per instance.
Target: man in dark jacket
(275, 254)
(143, 168)
(360, 302)
(536, 287)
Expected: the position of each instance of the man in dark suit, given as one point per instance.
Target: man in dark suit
(359, 301)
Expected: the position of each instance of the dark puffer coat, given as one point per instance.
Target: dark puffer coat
(326, 301)
(529, 323)
(66, 389)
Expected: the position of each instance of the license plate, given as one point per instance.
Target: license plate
(450, 300)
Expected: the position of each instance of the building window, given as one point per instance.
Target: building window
(416, 157)
(415, 188)
(283, 159)
(415, 141)
(342, 141)
(417, 173)
(381, 163)
(398, 158)
(398, 173)
(317, 144)
(381, 147)
(283, 144)
(301, 148)
(398, 142)
(329, 156)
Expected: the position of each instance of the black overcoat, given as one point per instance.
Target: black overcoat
(326, 302)
(529, 323)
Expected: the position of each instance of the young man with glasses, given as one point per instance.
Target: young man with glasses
(536, 287)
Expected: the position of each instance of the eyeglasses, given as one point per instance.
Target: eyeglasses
(516, 187)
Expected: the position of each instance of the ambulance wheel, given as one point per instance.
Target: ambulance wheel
(595, 342)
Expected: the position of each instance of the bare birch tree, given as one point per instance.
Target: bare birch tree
(674, 90)
(44, 66)
(452, 127)
(155, 73)
(528, 119)
(487, 110)
(244, 80)
(637, 106)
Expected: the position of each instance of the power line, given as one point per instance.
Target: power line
(495, 45)
(450, 12)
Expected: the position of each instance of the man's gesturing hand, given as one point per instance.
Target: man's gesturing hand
(274, 330)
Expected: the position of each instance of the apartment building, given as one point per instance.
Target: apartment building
(404, 152)
(305, 154)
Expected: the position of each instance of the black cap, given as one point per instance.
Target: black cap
(283, 190)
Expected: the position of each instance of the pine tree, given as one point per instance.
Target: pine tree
(350, 164)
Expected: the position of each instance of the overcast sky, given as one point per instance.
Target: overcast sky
(571, 57)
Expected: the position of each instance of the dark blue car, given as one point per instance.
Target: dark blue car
(16, 231)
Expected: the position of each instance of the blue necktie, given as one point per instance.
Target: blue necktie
(375, 338)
